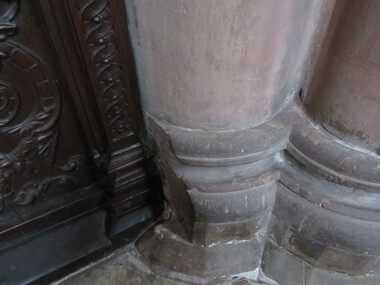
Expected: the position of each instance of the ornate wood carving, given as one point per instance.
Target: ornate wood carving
(75, 162)
(9, 103)
(48, 171)
(37, 130)
(100, 30)
(31, 191)
(8, 10)
(97, 22)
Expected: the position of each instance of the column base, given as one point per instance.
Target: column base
(162, 247)
(280, 265)
(315, 202)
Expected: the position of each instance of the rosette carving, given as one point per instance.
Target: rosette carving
(9, 103)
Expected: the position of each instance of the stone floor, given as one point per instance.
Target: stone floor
(124, 267)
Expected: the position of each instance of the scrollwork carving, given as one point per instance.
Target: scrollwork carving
(8, 10)
(74, 163)
(98, 27)
(32, 191)
(38, 130)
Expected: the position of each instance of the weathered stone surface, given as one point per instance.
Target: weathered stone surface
(344, 95)
(252, 182)
(220, 64)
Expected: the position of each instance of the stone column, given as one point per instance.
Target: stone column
(327, 205)
(216, 78)
(344, 95)
(255, 175)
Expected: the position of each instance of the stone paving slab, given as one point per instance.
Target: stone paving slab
(124, 267)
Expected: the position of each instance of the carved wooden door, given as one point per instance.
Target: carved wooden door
(73, 170)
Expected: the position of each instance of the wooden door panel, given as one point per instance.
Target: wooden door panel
(72, 161)
(43, 156)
